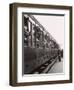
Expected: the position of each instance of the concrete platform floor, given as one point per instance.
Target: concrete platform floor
(57, 67)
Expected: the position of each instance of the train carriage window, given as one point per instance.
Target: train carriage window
(25, 42)
(37, 45)
(26, 21)
(37, 32)
(47, 46)
(26, 32)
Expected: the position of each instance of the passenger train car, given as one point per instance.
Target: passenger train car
(39, 45)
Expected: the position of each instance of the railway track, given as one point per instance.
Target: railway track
(46, 66)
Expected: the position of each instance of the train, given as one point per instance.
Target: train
(39, 45)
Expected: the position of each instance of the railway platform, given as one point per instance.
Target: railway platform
(57, 67)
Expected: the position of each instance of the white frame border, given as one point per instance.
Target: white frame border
(37, 78)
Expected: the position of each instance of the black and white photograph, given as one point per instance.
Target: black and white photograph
(42, 43)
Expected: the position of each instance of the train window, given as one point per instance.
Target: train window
(25, 42)
(37, 32)
(47, 46)
(25, 21)
(26, 33)
(25, 28)
(37, 45)
(25, 38)
(47, 38)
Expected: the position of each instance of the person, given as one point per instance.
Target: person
(62, 53)
(59, 55)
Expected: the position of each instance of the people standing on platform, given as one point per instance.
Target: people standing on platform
(59, 55)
